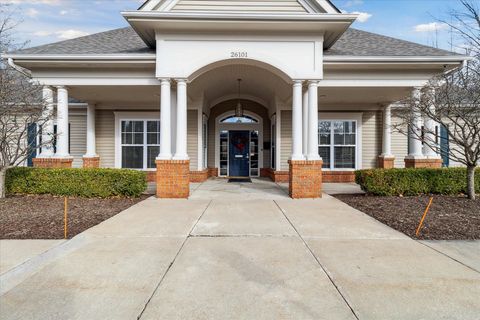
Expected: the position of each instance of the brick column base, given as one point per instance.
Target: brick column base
(212, 172)
(91, 162)
(423, 163)
(173, 179)
(52, 162)
(386, 162)
(305, 179)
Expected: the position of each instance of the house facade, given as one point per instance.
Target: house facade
(192, 89)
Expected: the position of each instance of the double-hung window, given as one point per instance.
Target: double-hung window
(140, 143)
(337, 143)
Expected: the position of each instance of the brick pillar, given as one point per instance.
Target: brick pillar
(173, 179)
(385, 162)
(423, 163)
(305, 179)
(91, 162)
(52, 162)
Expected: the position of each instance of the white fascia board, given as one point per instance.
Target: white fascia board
(83, 57)
(206, 15)
(372, 83)
(399, 59)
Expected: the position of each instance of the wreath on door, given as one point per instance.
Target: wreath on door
(240, 144)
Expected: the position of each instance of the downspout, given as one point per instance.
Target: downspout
(23, 71)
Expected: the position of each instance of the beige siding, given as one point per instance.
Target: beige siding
(78, 136)
(105, 137)
(239, 5)
(371, 138)
(399, 144)
(192, 138)
(285, 138)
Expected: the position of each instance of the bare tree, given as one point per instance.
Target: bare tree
(21, 105)
(452, 100)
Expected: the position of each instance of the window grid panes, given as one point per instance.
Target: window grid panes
(337, 144)
(224, 153)
(254, 153)
(140, 143)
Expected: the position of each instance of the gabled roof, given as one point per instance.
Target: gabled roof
(126, 41)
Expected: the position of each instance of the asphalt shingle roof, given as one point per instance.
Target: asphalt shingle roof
(125, 40)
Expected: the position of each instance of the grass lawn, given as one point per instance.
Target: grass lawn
(449, 217)
(41, 216)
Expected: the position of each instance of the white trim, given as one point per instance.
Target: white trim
(351, 116)
(219, 126)
(200, 140)
(372, 83)
(83, 57)
(134, 115)
(450, 58)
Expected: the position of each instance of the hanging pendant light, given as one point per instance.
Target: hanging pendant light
(239, 107)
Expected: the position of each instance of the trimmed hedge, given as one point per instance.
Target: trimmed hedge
(101, 183)
(413, 182)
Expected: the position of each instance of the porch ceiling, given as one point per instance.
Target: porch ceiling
(256, 81)
(118, 96)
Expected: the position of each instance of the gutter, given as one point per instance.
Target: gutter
(113, 57)
(23, 71)
(380, 59)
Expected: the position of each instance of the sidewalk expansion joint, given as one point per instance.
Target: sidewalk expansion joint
(318, 262)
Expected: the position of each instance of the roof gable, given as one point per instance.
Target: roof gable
(252, 6)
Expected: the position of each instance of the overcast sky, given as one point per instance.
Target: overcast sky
(46, 21)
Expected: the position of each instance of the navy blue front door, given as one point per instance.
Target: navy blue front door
(239, 161)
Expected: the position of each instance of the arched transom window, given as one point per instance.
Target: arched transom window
(235, 119)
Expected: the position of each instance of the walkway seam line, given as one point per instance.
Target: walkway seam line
(318, 261)
(173, 261)
(446, 255)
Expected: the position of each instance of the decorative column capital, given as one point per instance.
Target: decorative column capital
(313, 82)
(297, 82)
(181, 80)
(164, 81)
(61, 87)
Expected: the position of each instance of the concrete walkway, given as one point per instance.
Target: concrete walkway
(244, 258)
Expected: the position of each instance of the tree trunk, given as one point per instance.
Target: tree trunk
(3, 173)
(471, 182)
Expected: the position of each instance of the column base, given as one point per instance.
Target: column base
(305, 179)
(212, 172)
(91, 162)
(386, 162)
(423, 163)
(173, 179)
(52, 162)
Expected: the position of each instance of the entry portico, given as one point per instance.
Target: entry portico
(317, 98)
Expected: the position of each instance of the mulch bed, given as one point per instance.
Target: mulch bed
(41, 216)
(449, 217)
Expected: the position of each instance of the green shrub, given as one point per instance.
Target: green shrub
(413, 182)
(96, 182)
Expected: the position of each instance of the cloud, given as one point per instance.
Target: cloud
(362, 16)
(62, 34)
(352, 3)
(47, 2)
(429, 27)
(32, 13)
(63, 12)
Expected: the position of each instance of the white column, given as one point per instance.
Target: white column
(297, 120)
(305, 123)
(415, 128)
(62, 123)
(429, 125)
(387, 132)
(165, 141)
(91, 143)
(181, 145)
(47, 127)
(313, 121)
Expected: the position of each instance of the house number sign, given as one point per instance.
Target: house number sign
(239, 54)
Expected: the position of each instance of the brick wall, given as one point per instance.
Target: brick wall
(52, 162)
(93, 162)
(423, 163)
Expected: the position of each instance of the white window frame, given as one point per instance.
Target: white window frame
(132, 116)
(333, 117)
